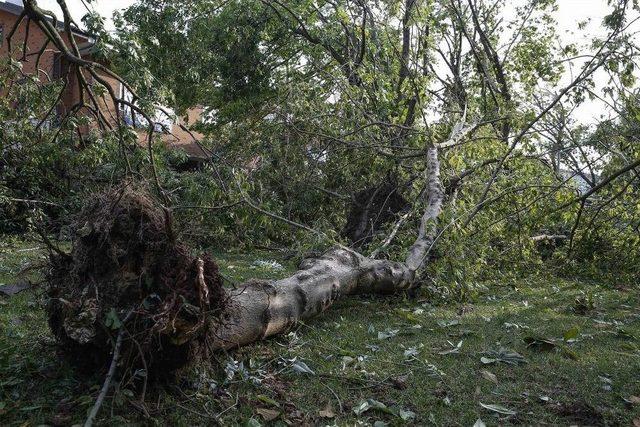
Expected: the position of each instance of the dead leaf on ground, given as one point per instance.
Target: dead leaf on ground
(634, 400)
(399, 382)
(490, 376)
(540, 343)
(268, 414)
(327, 412)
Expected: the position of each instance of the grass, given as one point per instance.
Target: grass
(431, 365)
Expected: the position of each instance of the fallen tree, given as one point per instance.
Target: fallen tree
(127, 272)
(268, 308)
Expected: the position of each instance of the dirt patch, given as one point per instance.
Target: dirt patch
(580, 413)
(128, 272)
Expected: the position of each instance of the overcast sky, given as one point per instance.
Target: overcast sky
(569, 14)
(570, 11)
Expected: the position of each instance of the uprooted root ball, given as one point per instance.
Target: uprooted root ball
(127, 272)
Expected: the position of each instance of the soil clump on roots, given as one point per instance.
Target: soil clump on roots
(128, 274)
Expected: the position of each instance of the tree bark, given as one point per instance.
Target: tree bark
(261, 309)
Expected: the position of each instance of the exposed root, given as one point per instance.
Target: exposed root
(125, 257)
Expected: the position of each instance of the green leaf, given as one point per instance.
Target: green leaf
(252, 422)
(571, 333)
(268, 400)
(302, 368)
(371, 404)
(112, 320)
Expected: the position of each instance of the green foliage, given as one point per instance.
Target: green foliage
(306, 104)
(46, 167)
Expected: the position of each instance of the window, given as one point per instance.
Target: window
(163, 123)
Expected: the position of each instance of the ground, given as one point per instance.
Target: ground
(573, 348)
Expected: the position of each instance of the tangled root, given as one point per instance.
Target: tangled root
(127, 271)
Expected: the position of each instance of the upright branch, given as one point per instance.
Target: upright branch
(428, 224)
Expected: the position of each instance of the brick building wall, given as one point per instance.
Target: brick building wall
(51, 67)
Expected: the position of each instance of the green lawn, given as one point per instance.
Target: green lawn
(420, 363)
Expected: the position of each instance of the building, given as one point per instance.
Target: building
(52, 66)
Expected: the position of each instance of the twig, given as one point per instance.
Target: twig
(200, 414)
(391, 235)
(31, 201)
(334, 395)
(107, 381)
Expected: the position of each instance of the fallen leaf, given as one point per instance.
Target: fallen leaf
(455, 349)
(539, 343)
(568, 353)
(448, 323)
(479, 423)
(374, 405)
(515, 326)
(389, 333)
(606, 383)
(327, 412)
(503, 355)
(636, 422)
(268, 414)
(635, 400)
(498, 408)
(406, 415)
(409, 317)
(112, 320)
(370, 404)
(571, 333)
(253, 423)
(18, 287)
(399, 382)
(487, 375)
(302, 368)
(347, 361)
(267, 400)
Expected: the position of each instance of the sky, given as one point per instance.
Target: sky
(570, 11)
(569, 14)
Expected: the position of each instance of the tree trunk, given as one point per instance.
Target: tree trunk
(261, 309)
